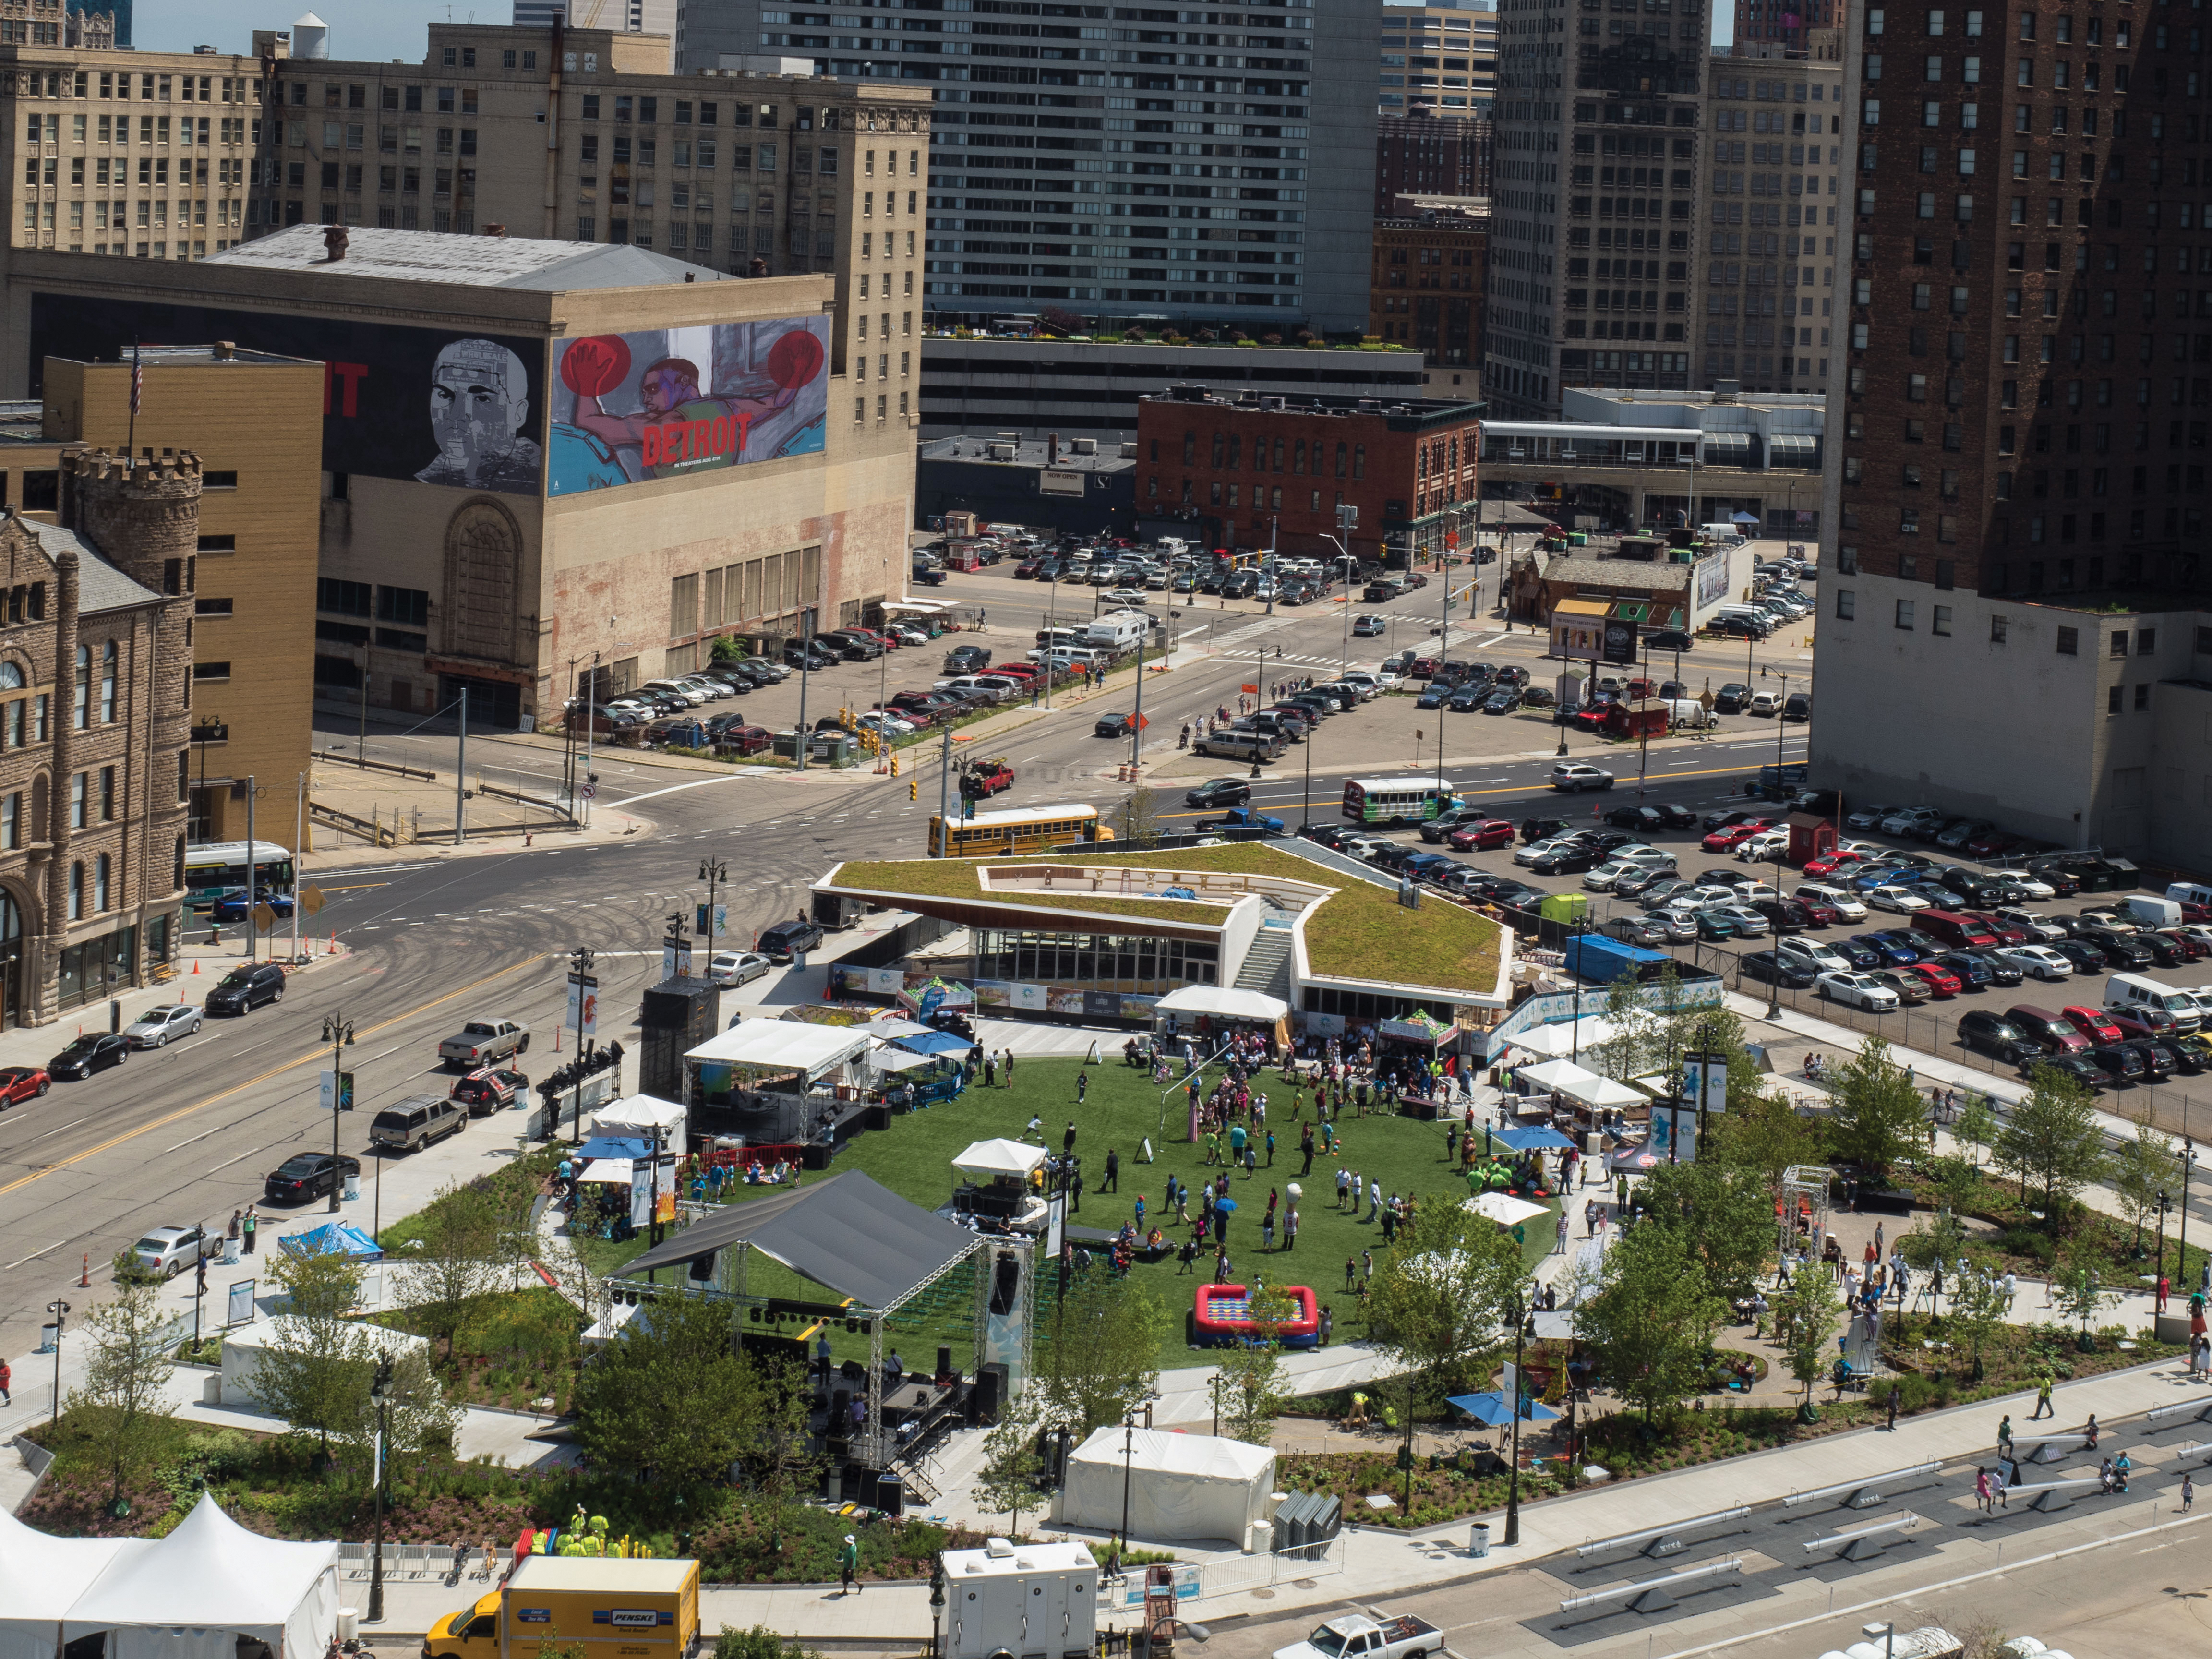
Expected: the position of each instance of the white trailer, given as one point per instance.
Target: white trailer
(1025, 1600)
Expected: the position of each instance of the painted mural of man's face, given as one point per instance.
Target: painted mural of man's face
(479, 398)
(666, 387)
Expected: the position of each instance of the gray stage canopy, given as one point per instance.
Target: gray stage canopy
(849, 1233)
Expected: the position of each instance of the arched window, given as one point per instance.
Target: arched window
(103, 869)
(107, 658)
(77, 893)
(11, 677)
(1360, 460)
(82, 706)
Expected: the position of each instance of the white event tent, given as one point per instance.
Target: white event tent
(1179, 1486)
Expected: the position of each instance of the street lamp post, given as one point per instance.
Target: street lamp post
(580, 975)
(59, 1309)
(2162, 1208)
(1347, 520)
(1513, 1405)
(936, 1605)
(2181, 1249)
(715, 873)
(1128, 1457)
(337, 1032)
(1774, 985)
(380, 1392)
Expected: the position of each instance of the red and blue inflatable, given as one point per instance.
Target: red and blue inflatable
(1224, 1317)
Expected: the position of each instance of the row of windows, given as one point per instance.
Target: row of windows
(1262, 496)
(1229, 454)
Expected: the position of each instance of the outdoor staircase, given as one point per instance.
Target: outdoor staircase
(1267, 963)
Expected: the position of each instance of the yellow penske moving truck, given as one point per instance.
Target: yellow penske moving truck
(618, 1609)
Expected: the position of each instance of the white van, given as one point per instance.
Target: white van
(2126, 991)
(1726, 534)
(2152, 912)
(1688, 713)
(2190, 892)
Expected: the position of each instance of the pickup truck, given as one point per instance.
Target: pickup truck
(1242, 818)
(1352, 1636)
(994, 775)
(484, 1043)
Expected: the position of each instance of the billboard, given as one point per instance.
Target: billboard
(429, 405)
(1712, 581)
(628, 408)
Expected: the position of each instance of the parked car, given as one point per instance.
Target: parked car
(93, 1052)
(490, 1089)
(243, 989)
(1770, 968)
(168, 1251)
(483, 1043)
(157, 1026)
(418, 1121)
(307, 1176)
(782, 942)
(727, 969)
(1859, 991)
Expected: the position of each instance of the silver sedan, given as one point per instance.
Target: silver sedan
(155, 1027)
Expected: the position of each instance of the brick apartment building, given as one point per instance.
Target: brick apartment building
(1782, 23)
(1428, 152)
(1427, 284)
(1241, 470)
(2015, 469)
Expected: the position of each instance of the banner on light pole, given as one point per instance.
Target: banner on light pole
(584, 1003)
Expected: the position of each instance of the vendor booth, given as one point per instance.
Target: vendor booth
(641, 1117)
(196, 1592)
(339, 1237)
(1583, 1087)
(999, 1184)
(1178, 1487)
(1506, 1210)
(42, 1578)
(1208, 1011)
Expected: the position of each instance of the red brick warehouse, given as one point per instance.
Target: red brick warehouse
(1236, 469)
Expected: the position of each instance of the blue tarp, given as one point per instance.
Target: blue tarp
(1531, 1141)
(615, 1147)
(934, 1042)
(1490, 1408)
(342, 1236)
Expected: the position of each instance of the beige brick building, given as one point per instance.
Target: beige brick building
(95, 689)
(253, 421)
(541, 456)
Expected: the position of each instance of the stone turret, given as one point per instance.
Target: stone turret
(139, 511)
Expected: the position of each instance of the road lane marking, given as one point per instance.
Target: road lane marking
(308, 1059)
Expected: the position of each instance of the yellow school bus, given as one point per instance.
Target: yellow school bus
(1015, 830)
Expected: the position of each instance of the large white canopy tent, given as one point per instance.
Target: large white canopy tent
(1179, 1486)
(1016, 1159)
(637, 1117)
(1223, 1002)
(42, 1578)
(191, 1595)
(1581, 1086)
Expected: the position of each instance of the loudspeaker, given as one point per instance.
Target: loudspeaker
(891, 1496)
(983, 1397)
(944, 1362)
(1006, 1283)
(855, 1485)
(675, 1017)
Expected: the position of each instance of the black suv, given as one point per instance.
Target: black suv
(1218, 791)
(782, 942)
(245, 988)
(1993, 1034)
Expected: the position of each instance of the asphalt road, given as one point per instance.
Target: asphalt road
(188, 1132)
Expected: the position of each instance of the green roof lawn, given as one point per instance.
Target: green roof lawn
(1363, 932)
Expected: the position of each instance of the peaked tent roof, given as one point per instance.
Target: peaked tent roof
(41, 1577)
(849, 1233)
(210, 1572)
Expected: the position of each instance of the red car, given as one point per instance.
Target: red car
(490, 1089)
(1990, 843)
(2090, 1023)
(21, 1083)
(1481, 837)
(2192, 948)
(1828, 863)
(2005, 932)
(1940, 980)
(1017, 671)
(1818, 912)
(1723, 839)
(1425, 668)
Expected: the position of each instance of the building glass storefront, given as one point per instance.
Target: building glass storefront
(1114, 961)
(97, 966)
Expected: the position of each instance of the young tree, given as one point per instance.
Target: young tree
(1768, 1138)
(1881, 1118)
(1724, 1215)
(670, 1396)
(457, 1264)
(1251, 1377)
(2054, 1140)
(1651, 1320)
(1442, 1294)
(1976, 1127)
(1934, 1249)
(1102, 1352)
(777, 1445)
(1978, 1306)
(1007, 1483)
(1139, 815)
(120, 1405)
(417, 1416)
(2142, 1170)
(1807, 1312)
(316, 1370)
(2077, 1288)
(1629, 1051)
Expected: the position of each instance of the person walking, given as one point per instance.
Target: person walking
(1374, 1198)
(849, 1566)
(1306, 1148)
(2043, 1405)
(1351, 1273)
(1113, 1181)
(1009, 1069)
(7, 1384)
(1982, 1496)
(990, 1070)
(1559, 1247)
(1082, 1086)
(1894, 1392)
(248, 1225)
(2188, 1482)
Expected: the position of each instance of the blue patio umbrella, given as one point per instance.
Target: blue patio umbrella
(1225, 1204)
(1491, 1407)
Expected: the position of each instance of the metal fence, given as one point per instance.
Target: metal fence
(2174, 1108)
(1201, 1581)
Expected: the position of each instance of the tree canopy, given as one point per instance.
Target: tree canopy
(2053, 1140)
(1650, 1322)
(671, 1396)
(1881, 1118)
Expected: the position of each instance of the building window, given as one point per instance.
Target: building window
(1847, 605)
(2070, 641)
(11, 822)
(2112, 693)
(107, 659)
(2143, 697)
(80, 704)
(2146, 642)
(1905, 615)
(2120, 643)
(1940, 622)
(77, 893)
(102, 871)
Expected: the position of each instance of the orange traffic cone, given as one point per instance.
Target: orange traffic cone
(196, 964)
(334, 945)
(84, 1278)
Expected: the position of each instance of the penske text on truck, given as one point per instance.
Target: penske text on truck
(617, 1608)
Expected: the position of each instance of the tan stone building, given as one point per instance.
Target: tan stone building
(541, 456)
(253, 421)
(96, 690)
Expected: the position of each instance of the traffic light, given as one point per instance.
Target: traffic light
(913, 788)
(894, 762)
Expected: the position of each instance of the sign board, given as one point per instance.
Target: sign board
(1055, 1218)
(337, 1090)
(675, 958)
(1408, 894)
(1675, 1132)
(239, 1310)
(584, 1003)
(714, 922)
(1704, 1081)
(1619, 642)
(311, 900)
(1050, 482)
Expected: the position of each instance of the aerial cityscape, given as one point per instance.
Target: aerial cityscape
(694, 695)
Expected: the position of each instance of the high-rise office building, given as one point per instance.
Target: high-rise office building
(1766, 301)
(1193, 164)
(1596, 146)
(1430, 152)
(1786, 23)
(1443, 54)
(2015, 469)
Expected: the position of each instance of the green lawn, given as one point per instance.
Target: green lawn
(1120, 1110)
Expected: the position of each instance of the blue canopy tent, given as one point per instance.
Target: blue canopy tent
(333, 1237)
(1542, 1138)
(1491, 1407)
(934, 1042)
(614, 1146)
